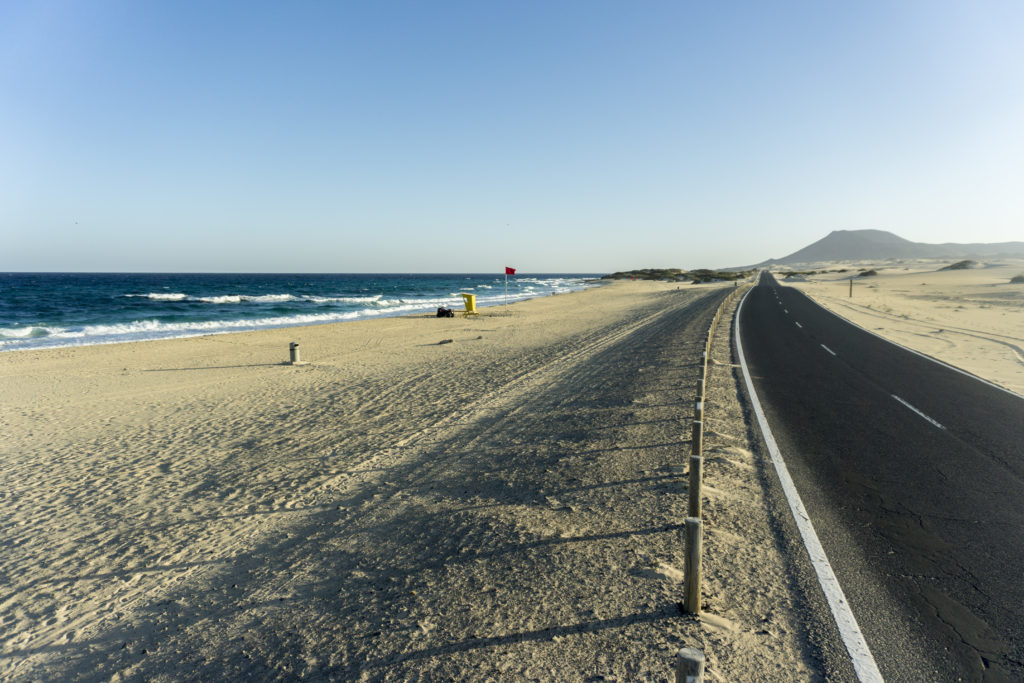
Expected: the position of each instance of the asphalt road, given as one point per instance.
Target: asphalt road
(913, 476)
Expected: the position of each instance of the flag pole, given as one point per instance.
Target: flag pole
(506, 291)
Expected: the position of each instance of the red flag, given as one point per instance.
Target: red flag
(510, 271)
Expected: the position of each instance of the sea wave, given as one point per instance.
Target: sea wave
(342, 299)
(258, 298)
(30, 332)
(244, 298)
(288, 310)
(159, 296)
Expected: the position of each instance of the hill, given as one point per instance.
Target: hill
(857, 245)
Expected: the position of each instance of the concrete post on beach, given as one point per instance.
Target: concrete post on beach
(689, 665)
(694, 543)
(293, 353)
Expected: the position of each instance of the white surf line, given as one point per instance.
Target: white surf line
(917, 411)
(863, 661)
(828, 349)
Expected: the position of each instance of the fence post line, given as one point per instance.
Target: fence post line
(694, 492)
(694, 541)
(697, 437)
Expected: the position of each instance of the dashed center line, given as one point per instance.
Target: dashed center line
(828, 349)
(785, 310)
(917, 411)
(798, 325)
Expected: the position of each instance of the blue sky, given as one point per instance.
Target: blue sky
(463, 136)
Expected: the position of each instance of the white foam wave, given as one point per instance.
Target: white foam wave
(342, 299)
(24, 332)
(223, 299)
(239, 298)
(160, 296)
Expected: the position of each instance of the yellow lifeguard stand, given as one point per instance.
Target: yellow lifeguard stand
(470, 301)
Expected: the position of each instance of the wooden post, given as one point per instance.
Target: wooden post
(700, 389)
(698, 409)
(694, 541)
(697, 437)
(694, 493)
(689, 665)
(851, 287)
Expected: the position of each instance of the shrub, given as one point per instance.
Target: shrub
(677, 275)
(1017, 279)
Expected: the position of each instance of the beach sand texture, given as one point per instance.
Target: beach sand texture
(507, 506)
(972, 319)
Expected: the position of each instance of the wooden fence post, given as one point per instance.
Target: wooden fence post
(694, 493)
(694, 542)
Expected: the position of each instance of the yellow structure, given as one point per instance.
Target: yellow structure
(470, 301)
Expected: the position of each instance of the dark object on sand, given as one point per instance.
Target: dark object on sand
(960, 265)
(445, 313)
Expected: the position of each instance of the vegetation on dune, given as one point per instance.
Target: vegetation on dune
(794, 273)
(867, 273)
(1017, 279)
(679, 275)
(670, 274)
(960, 265)
(705, 275)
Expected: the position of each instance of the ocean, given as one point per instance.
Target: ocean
(46, 310)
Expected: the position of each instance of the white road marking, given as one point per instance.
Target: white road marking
(799, 325)
(916, 353)
(863, 661)
(917, 411)
(785, 310)
(828, 349)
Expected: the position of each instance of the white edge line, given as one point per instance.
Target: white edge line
(863, 662)
(917, 411)
(963, 372)
(828, 349)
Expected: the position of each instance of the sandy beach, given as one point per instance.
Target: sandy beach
(504, 506)
(972, 319)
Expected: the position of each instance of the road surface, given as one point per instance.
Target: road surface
(913, 475)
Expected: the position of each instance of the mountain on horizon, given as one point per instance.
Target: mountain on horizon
(862, 245)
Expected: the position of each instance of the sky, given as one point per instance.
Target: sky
(577, 136)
